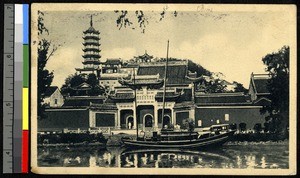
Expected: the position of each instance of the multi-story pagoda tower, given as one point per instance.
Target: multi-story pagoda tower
(91, 56)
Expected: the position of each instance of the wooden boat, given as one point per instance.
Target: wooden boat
(216, 136)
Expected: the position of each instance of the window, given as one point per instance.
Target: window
(226, 117)
(218, 121)
(55, 101)
(199, 123)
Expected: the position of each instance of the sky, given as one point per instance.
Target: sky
(230, 42)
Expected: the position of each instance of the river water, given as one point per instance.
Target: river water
(245, 155)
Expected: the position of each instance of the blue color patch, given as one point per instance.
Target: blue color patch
(25, 24)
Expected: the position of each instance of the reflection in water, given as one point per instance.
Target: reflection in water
(234, 156)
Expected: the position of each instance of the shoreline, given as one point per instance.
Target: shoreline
(117, 144)
(271, 142)
(103, 145)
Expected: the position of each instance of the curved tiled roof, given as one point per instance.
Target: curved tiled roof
(261, 85)
(176, 74)
(50, 91)
(91, 30)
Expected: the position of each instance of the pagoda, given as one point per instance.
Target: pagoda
(91, 56)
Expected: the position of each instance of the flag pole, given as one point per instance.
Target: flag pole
(165, 80)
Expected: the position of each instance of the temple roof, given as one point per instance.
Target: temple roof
(112, 61)
(97, 56)
(168, 95)
(83, 86)
(153, 81)
(91, 37)
(122, 96)
(260, 83)
(186, 105)
(50, 91)
(176, 74)
(91, 43)
(85, 69)
(87, 61)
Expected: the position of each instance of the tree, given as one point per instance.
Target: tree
(70, 82)
(193, 67)
(93, 81)
(140, 19)
(214, 83)
(75, 80)
(239, 87)
(278, 85)
(44, 76)
(215, 86)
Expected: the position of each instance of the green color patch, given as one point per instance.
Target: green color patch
(25, 66)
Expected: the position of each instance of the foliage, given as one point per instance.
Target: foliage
(215, 86)
(212, 83)
(123, 19)
(258, 137)
(239, 87)
(71, 138)
(278, 86)
(193, 67)
(45, 77)
(75, 80)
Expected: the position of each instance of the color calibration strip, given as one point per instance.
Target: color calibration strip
(15, 89)
(25, 104)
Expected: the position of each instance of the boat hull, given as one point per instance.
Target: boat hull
(216, 140)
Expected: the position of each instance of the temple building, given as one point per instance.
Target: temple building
(119, 110)
(137, 94)
(147, 85)
(91, 51)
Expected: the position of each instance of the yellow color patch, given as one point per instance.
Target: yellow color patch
(25, 109)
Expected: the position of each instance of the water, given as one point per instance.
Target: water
(259, 156)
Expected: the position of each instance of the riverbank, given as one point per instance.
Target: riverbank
(281, 142)
(99, 140)
(70, 145)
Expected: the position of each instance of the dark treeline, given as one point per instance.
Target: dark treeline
(259, 137)
(70, 138)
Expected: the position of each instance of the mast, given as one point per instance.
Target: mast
(165, 81)
(136, 119)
